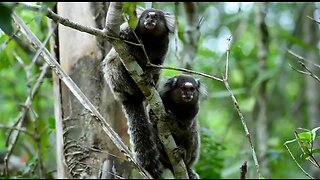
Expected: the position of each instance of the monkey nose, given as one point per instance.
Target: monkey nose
(150, 24)
(187, 98)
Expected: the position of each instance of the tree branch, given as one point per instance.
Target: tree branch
(55, 66)
(148, 90)
(236, 104)
(26, 107)
(307, 70)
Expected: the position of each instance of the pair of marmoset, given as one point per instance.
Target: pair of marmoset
(180, 95)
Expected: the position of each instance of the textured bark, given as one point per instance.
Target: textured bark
(191, 34)
(87, 148)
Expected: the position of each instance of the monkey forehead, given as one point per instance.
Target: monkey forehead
(152, 13)
(188, 84)
(186, 79)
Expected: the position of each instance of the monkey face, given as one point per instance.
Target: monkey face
(155, 22)
(151, 19)
(187, 92)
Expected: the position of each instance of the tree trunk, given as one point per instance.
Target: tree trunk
(262, 133)
(87, 151)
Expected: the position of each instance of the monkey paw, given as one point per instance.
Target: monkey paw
(179, 152)
(148, 78)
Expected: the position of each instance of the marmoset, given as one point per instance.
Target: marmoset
(181, 98)
(153, 30)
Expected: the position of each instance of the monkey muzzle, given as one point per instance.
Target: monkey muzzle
(150, 24)
(187, 98)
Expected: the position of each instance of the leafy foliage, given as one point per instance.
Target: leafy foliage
(224, 145)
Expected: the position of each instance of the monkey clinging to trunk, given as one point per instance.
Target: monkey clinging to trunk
(153, 30)
(181, 98)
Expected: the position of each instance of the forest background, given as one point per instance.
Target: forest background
(270, 43)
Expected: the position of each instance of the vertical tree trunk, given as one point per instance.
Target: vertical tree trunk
(88, 151)
(191, 34)
(262, 133)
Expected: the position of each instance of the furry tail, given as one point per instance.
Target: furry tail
(142, 138)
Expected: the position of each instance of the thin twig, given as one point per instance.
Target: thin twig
(297, 162)
(303, 59)
(244, 126)
(307, 72)
(18, 129)
(66, 22)
(26, 107)
(236, 104)
(227, 61)
(309, 152)
(313, 19)
(139, 42)
(185, 70)
(75, 90)
(23, 114)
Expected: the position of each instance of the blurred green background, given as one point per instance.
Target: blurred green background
(225, 146)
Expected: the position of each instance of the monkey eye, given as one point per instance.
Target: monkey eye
(153, 15)
(157, 16)
(185, 88)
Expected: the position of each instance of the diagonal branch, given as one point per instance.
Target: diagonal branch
(55, 66)
(236, 104)
(148, 90)
(307, 70)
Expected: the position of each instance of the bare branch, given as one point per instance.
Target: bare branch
(66, 22)
(18, 129)
(303, 59)
(313, 19)
(297, 162)
(308, 71)
(74, 89)
(185, 70)
(227, 62)
(26, 107)
(236, 104)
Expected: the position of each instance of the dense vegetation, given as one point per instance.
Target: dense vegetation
(225, 146)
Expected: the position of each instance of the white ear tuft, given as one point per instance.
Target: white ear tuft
(139, 11)
(170, 21)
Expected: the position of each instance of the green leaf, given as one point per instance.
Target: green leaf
(305, 136)
(130, 10)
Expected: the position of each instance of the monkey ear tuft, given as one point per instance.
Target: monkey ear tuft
(203, 92)
(170, 21)
(139, 11)
(198, 83)
(172, 82)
